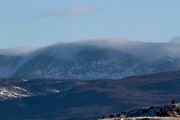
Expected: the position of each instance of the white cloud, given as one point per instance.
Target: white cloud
(72, 11)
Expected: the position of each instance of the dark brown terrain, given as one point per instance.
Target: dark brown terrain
(84, 100)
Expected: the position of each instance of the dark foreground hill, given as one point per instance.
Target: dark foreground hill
(54, 99)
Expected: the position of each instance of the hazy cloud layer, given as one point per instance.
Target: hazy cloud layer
(72, 11)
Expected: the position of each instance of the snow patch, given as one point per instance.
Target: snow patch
(13, 92)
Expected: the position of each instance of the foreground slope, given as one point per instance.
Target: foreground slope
(54, 99)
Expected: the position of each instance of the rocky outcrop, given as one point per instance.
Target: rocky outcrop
(166, 112)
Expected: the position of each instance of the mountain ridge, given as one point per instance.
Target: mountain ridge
(111, 59)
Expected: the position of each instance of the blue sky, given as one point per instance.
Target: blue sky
(32, 23)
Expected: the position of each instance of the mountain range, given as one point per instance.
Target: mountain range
(93, 59)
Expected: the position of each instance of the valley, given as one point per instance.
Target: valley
(58, 99)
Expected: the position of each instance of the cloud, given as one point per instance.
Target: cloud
(77, 11)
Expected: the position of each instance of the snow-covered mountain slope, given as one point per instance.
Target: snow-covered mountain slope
(93, 59)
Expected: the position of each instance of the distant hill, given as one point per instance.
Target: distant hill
(93, 59)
